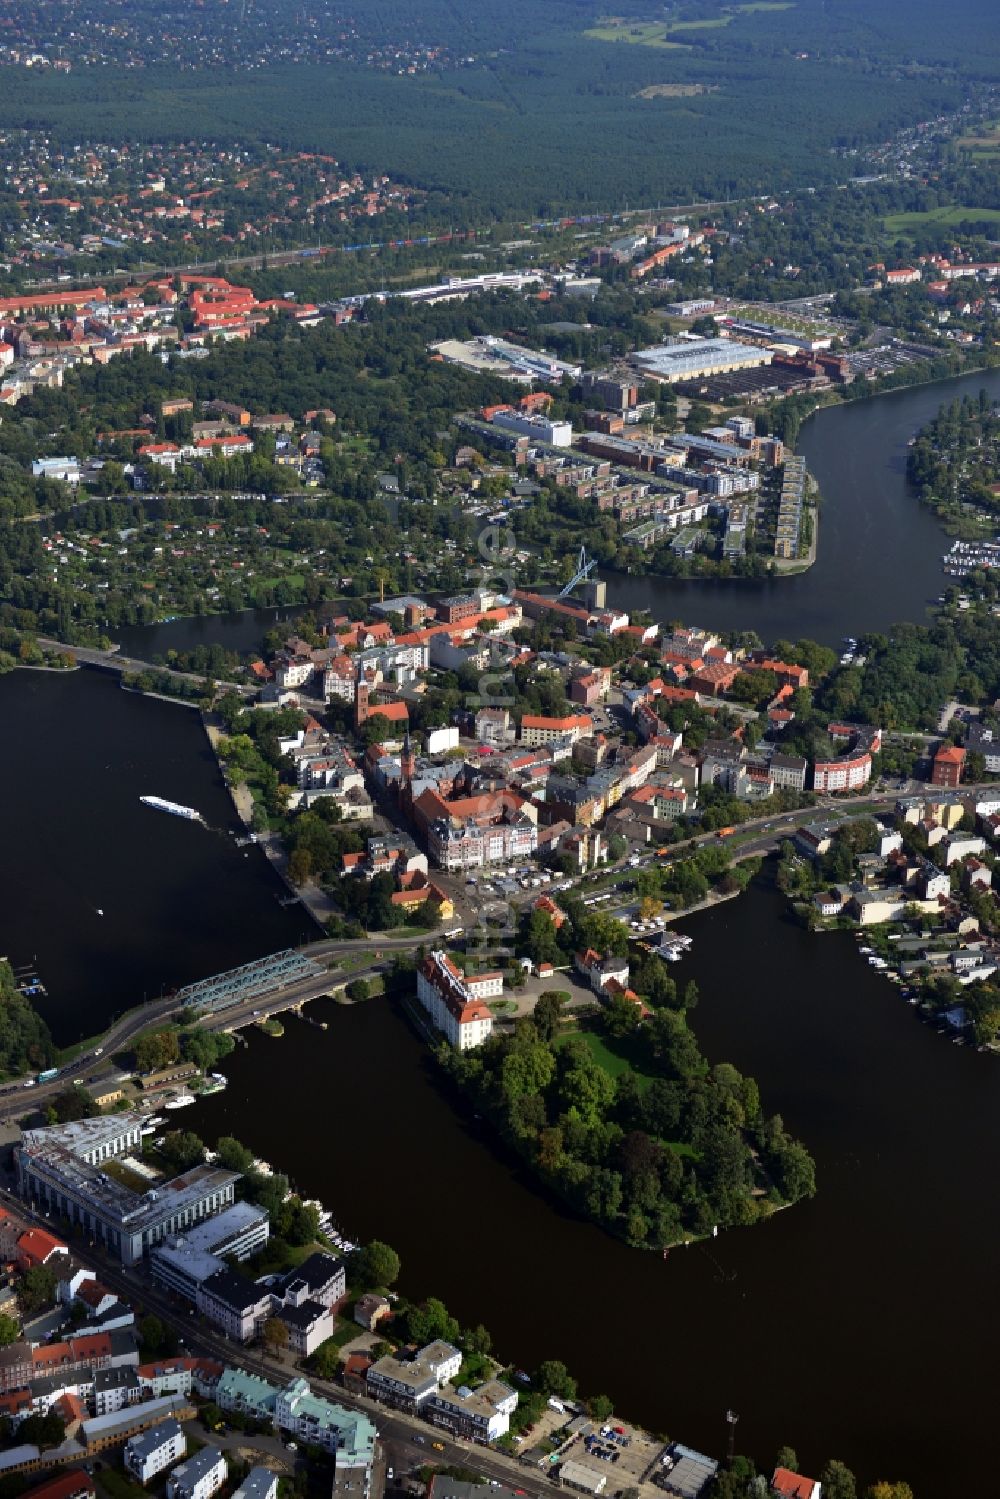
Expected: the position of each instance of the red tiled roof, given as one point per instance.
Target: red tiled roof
(792, 1485)
(36, 1246)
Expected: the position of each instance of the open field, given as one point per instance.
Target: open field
(660, 34)
(900, 223)
(674, 91)
(640, 34)
(987, 143)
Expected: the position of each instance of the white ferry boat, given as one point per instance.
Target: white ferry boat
(176, 809)
(182, 1101)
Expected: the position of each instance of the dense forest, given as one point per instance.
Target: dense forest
(765, 101)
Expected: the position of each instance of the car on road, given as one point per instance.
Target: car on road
(438, 1446)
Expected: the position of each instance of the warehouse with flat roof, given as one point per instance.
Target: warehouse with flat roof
(692, 358)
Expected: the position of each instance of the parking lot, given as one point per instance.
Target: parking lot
(617, 1451)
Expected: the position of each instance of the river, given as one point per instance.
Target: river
(819, 1329)
(180, 901)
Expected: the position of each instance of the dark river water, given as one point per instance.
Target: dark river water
(180, 901)
(837, 1327)
(242, 631)
(822, 1328)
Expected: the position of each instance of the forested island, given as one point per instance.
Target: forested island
(624, 1118)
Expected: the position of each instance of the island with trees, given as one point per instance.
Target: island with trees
(621, 1115)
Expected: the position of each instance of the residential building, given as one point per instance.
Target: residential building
(321, 1278)
(480, 1415)
(456, 1003)
(349, 1434)
(200, 1476)
(791, 1485)
(234, 1303)
(76, 1483)
(260, 1483)
(946, 770)
(960, 846)
(114, 1389)
(309, 1322)
(539, 729)
(152, 1451)
(847, 773)
(788, 772)
(492, 725)
(982, 739)
(371, 1309)
(406, 1384)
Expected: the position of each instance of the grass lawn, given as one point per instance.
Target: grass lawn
(117, 1486)
(614, 1056)
(277, 1255)
(710, 25)
(899, 223)
(644, 34)
(344, 1331)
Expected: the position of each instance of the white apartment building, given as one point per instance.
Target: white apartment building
(200, 1477)
(151, 1451)
(457, 1004)
(234, 1303)
(260, 1483)
(482, 1414)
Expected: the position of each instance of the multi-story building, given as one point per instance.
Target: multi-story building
(949, 761)
(151, 1451)
(260, 1483)
(847, 773)
(349, 1434)
(480, 1415)
(789, 772)
(114, 1389)
(539, 729)
(234, 1303)
(200, 1477)
(304, 1299)
(455, 1003)
(186, 1260)
(422, 1384)
(61, 1168)
(406, 1384)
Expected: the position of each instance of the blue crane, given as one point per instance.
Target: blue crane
(583, 568)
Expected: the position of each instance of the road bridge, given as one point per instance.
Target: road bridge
(282, 981)
(115, 660)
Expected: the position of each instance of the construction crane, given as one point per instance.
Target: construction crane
(583, 568)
